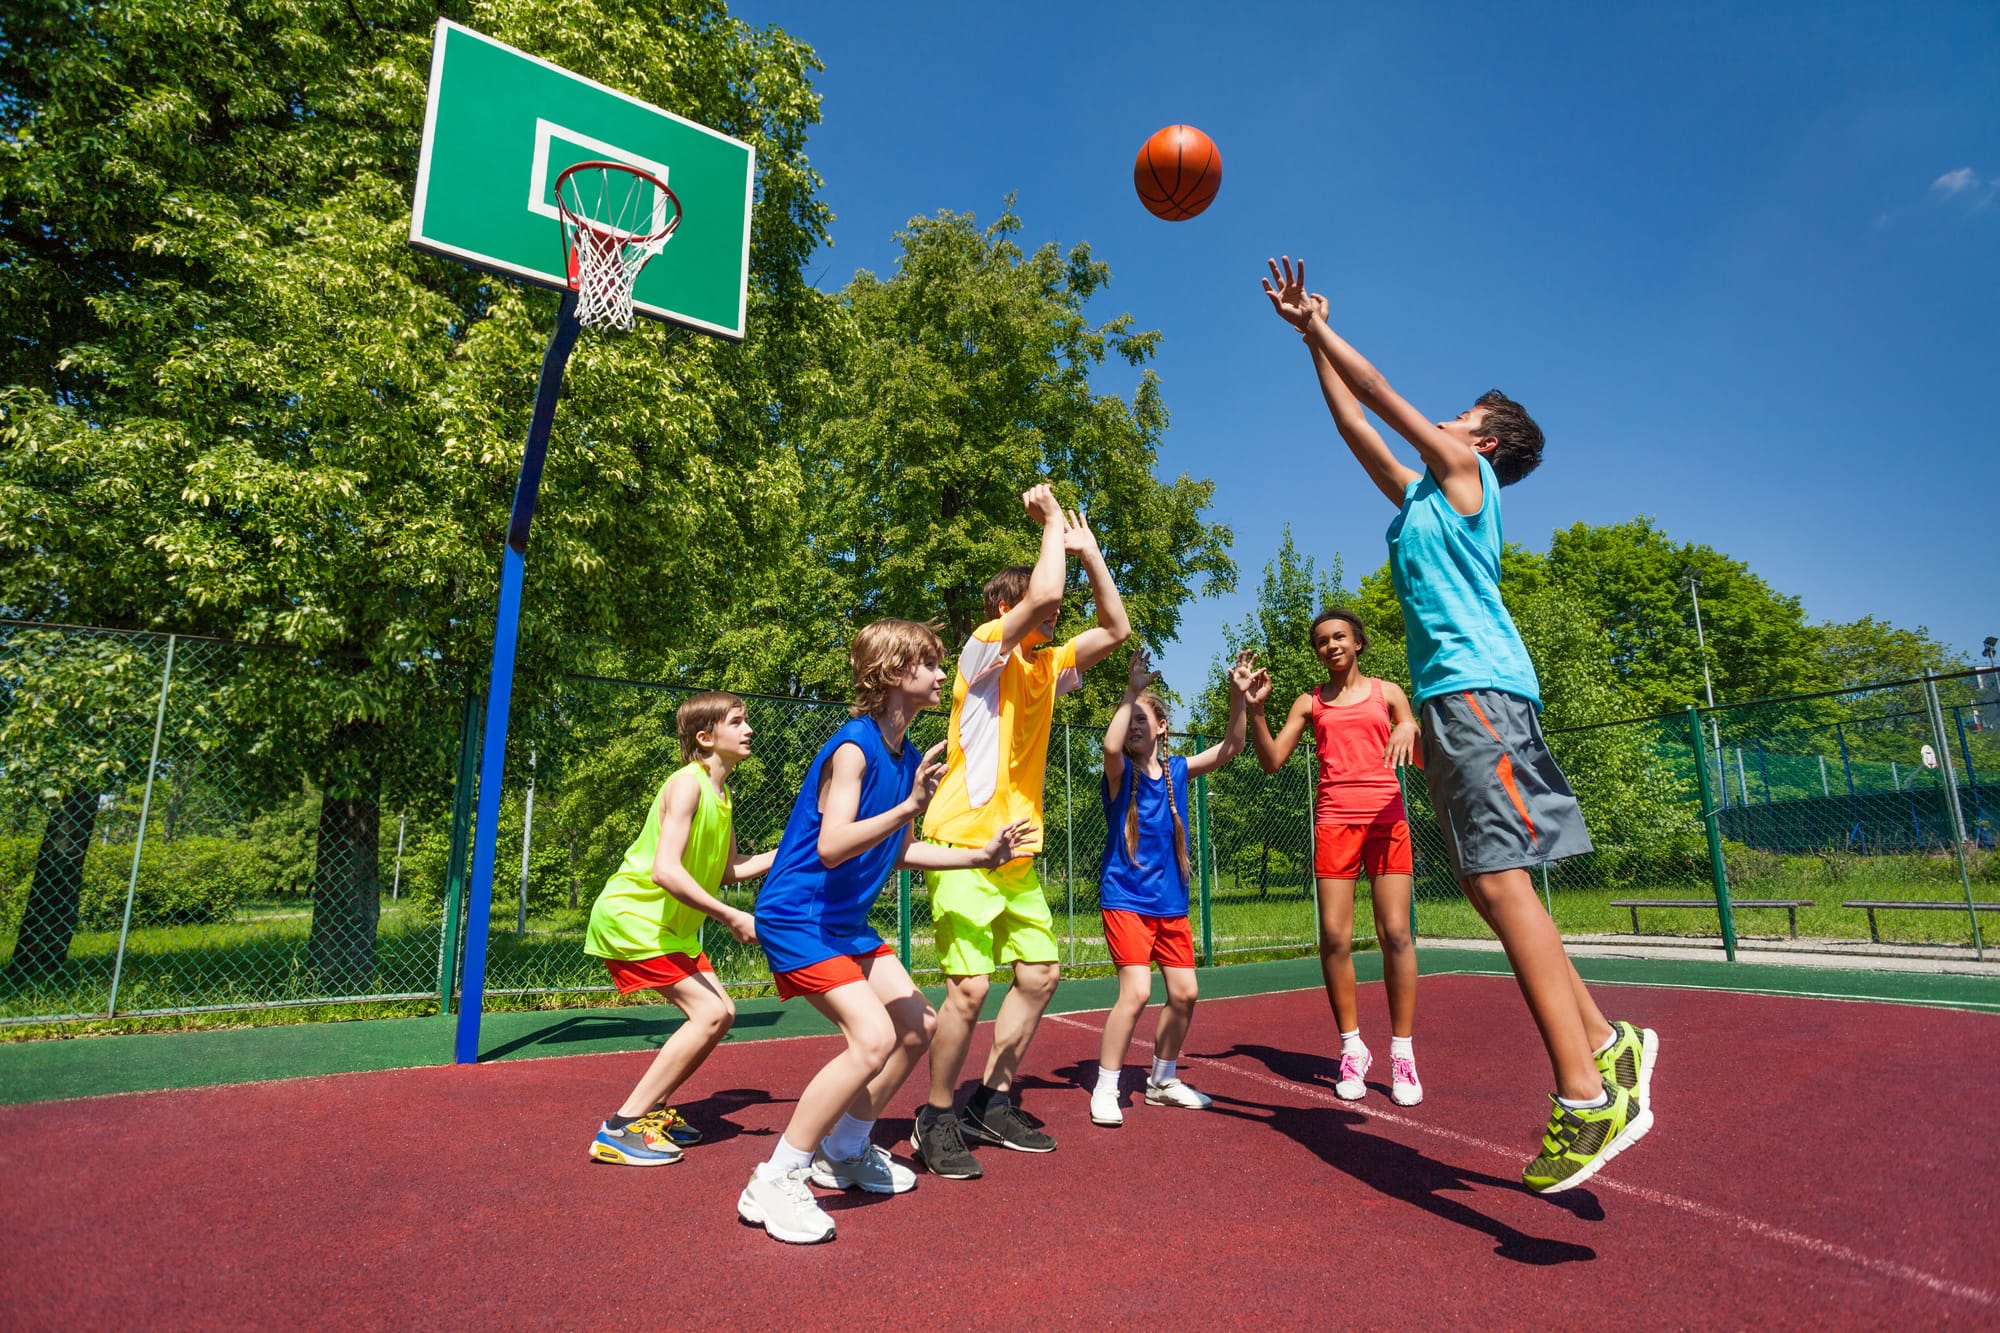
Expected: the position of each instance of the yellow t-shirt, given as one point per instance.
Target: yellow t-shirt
(998, 744)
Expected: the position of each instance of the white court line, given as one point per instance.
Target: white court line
(1784, 1235)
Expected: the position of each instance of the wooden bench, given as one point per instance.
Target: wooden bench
(1874, 905)
(1791, 906)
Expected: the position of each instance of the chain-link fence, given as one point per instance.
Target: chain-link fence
(181, 829)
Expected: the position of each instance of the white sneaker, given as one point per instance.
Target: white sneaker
(779, 1202)
(1353, 1068)
(1104, 1110)
(873, 1171)
(1404, 1088)
(1176, 1093)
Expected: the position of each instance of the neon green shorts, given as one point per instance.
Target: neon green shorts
(985, 918)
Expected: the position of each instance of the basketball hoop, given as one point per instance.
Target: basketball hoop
(615, 218)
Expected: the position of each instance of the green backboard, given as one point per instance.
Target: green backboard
(500, 126)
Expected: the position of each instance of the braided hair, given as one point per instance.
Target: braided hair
(1158, 708)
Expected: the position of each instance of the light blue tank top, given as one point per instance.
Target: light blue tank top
(1446, 568)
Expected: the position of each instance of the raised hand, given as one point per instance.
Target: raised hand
(924, 785)
(1078, 539)
(1287, 289)
(1320, 306)
(1242, 671)
(1140, 673)
(1041, 504)
(1258, 688)
(1007, 844)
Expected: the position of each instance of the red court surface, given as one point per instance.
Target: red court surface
(1815, 1163)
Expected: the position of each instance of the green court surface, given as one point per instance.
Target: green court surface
(34, 1071)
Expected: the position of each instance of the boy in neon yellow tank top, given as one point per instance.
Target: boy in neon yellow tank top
(646, 924)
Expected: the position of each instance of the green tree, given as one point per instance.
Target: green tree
(237, 402)
(1633, 578)
(944, 391)
(1861, 652)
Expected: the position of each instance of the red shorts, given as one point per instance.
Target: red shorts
(666, 970)
(1137, 940)
(825, 975)
(1343, 851)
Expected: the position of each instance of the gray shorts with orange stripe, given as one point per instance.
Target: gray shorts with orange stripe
(1501, 801)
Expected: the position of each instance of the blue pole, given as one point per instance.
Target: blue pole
(500, 685)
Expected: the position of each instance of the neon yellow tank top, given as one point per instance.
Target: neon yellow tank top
(634, 918)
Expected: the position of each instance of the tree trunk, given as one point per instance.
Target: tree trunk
(48, 923)
(347, 889)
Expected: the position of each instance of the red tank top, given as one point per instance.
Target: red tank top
(1355, 787)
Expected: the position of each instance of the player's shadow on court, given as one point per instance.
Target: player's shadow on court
(1339, 1137)
(711, 1114)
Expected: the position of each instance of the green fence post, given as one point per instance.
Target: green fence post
(1718, 870)
(903, 917)
(1201, 845)
(461, 835)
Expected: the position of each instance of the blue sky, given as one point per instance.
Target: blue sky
(1741, 262)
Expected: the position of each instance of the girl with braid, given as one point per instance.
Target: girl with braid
(1143, 881)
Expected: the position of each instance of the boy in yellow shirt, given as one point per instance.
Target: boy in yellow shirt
(1009, 677)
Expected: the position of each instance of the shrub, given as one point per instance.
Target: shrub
(188, 881)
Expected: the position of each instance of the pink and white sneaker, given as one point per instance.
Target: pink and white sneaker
(1404, 1088)
(1353, 1067)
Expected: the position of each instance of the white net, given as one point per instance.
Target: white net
(615, 218)
(607, 266)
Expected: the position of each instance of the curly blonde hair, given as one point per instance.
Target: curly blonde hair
(883, 653)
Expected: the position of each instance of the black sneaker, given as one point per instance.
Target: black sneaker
(1003, 1123)
(938, 1144)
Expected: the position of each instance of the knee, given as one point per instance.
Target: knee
(723, 1019)
(713, 1021)
(1393, 937)
(967, 997)
(873, 1044)
(1133, 992)
(1336, 943)
(1037, 983)
(915, 1026)
(1182, 997)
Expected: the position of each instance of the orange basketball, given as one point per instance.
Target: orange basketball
(1178, 173)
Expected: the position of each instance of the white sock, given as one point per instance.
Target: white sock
(1609, 1042)
(1350, 1043)
(849, 1137)
(1164, 1069)
(1601, 1100)
(787, 1158)
(1107, 1080)
(1402, 1048)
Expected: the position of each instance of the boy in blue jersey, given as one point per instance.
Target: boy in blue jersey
(850, 827)
(1502, 803)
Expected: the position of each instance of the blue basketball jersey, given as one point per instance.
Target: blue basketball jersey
(1153, 885)
(806, 912)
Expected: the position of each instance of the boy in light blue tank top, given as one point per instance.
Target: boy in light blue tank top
(1502, 803)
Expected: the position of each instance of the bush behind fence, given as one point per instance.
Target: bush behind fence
(166, 847)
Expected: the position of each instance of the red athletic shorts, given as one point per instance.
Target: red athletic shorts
(666, 970)
(1137, 940)
(1343, 851)
(825, 975)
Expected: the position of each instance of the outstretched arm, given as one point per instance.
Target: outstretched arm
(1390, 475)
(1007, 844)
(842, 835)
(1113, 627)
(1241, 673)
(1273, 751)
(1454, 463)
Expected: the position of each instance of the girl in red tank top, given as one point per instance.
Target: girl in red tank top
(1363, 730)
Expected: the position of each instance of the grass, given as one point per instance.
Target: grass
(258, 960)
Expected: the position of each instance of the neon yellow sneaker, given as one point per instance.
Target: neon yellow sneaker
(669, 1121)
(1579, 1142)
(1628, 1061)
